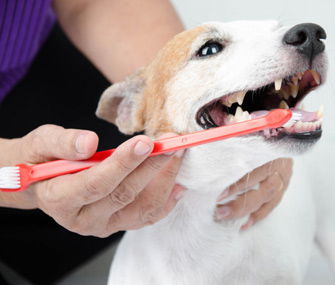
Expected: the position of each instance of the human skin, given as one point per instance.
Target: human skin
(127, 190)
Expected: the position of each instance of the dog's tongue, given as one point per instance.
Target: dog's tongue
(305, 116)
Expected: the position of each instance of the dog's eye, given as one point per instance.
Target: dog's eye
(210, 48)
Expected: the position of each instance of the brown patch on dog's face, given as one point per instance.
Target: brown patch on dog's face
(151, 112)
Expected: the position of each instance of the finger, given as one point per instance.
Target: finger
(262, 212)
(129, 189)
(283, 166)
(49, 142)
(176, 194)
(249, 180)
(155, 202)
(97, 182)
(125, 219)
(251, 201)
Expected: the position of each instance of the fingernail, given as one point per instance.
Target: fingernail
(223, 195)
(81, 143)
(222, 212)
(179, 192)
(180, 153)
(141, 148)
(247, 225)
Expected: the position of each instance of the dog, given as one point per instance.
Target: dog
(218, 74)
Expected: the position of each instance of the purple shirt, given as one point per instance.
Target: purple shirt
(24, 25)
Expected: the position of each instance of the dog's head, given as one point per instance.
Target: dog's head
(221, 73)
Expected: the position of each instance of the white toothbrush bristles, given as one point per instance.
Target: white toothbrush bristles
(10, 177)
(295, 118)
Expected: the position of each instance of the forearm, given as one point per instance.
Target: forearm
(118, 36)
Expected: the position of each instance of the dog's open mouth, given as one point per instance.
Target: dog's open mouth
(285, 93)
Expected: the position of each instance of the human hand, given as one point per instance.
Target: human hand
(125, 191)
(273, 179)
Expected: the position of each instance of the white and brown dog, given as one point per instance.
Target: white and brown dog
(213, 75)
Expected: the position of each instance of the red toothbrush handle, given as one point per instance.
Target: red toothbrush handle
(273, 119)
(60, 167)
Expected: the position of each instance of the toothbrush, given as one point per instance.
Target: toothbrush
(19, 177)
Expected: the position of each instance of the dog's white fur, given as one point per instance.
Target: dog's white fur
(189, 247)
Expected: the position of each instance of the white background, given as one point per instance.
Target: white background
(322, 12)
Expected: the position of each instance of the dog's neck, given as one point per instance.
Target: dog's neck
(213, 167)
(206, 172)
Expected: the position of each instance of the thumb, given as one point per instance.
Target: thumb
(50, 142)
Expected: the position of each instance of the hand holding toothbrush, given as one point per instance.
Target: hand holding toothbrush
(106, 192)
(98, 201)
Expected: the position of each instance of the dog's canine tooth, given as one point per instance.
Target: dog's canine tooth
(294, 90)
(237, 97)
(319, 113)
(316, 76)
(240, 97)
(278, 83)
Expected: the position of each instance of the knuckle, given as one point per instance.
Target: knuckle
(35, 140)
(122, 164)
(151, 213)
(124, 194)
(94, 184)
(153, 164)
(48, 196)
(170, 173)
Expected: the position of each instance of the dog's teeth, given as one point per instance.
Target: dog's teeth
(240, 97)
(319, 113)
(278, 83)
(284, 94)
(231, 100)
(283, 105)
(235, 98)
(246, 115)
(228, 104)
(239, 114)
(231, 119)
(316, 76)
(294, 90)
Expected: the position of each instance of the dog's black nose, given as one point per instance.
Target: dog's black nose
(307, 39)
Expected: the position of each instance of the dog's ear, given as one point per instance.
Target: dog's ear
(119, 103)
